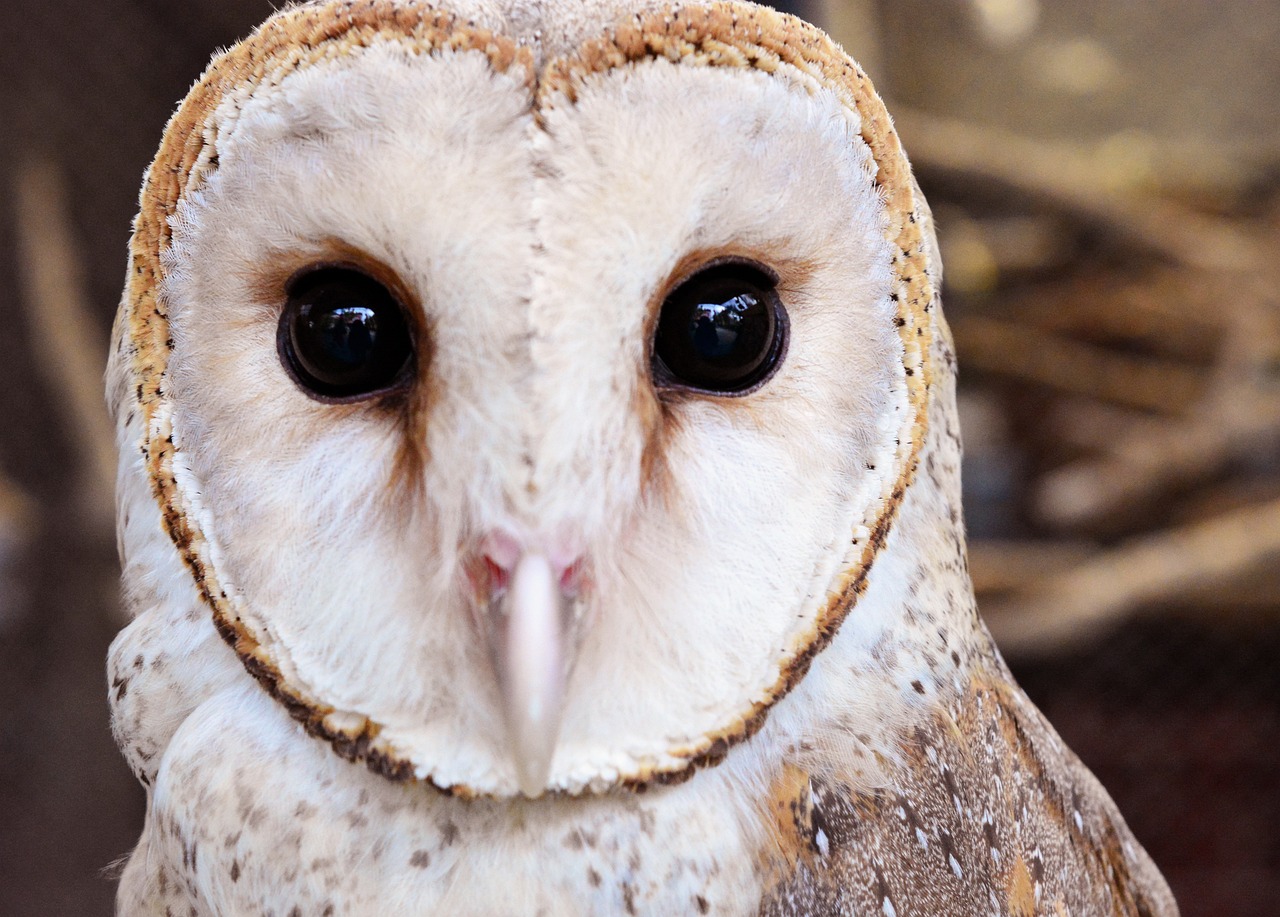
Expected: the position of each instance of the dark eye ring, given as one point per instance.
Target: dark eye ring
(722, 330)
(343, 336)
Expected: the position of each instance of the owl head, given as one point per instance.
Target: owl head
(528, 390)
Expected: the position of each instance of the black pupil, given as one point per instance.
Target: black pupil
(719, 330)
(344, 335)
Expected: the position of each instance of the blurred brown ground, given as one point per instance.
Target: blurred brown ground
(1171, 695)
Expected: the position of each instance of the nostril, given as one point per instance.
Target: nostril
(490, 568)
(499, 577)
(491, 578)
(571, 579)
(487, 578)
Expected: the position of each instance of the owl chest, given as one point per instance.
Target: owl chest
(249, 815)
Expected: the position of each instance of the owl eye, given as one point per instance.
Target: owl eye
(723, 330)
(343, 336)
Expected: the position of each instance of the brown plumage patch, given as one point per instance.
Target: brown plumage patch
(1020, 898)
(791, 824)
(985, 806)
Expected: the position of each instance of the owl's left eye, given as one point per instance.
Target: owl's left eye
(721, 331)
(343, 336)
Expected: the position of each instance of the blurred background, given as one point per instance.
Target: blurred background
(1106, 180)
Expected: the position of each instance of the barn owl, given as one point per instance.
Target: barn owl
(539, 491)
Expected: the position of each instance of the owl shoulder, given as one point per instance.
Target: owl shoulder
(984, 811)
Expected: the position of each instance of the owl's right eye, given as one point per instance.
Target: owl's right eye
(722, 331)
(343, 336)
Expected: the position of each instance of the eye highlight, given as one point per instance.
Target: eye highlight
(722, 331)
(343, 336)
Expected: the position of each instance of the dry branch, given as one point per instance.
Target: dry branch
(1239, 416)
(1007, 565)
(1078, 603)
(1062, 178)
(70, 351)
(1029, 354)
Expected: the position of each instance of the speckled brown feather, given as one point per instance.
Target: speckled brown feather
(986, 812)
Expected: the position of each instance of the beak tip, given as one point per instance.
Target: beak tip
(532, 784)
(531, 753)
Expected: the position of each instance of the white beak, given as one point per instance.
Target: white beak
(528, 633)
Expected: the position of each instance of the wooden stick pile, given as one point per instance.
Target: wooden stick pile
(1132, 344)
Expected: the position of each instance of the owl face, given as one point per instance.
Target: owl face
(528, 420)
